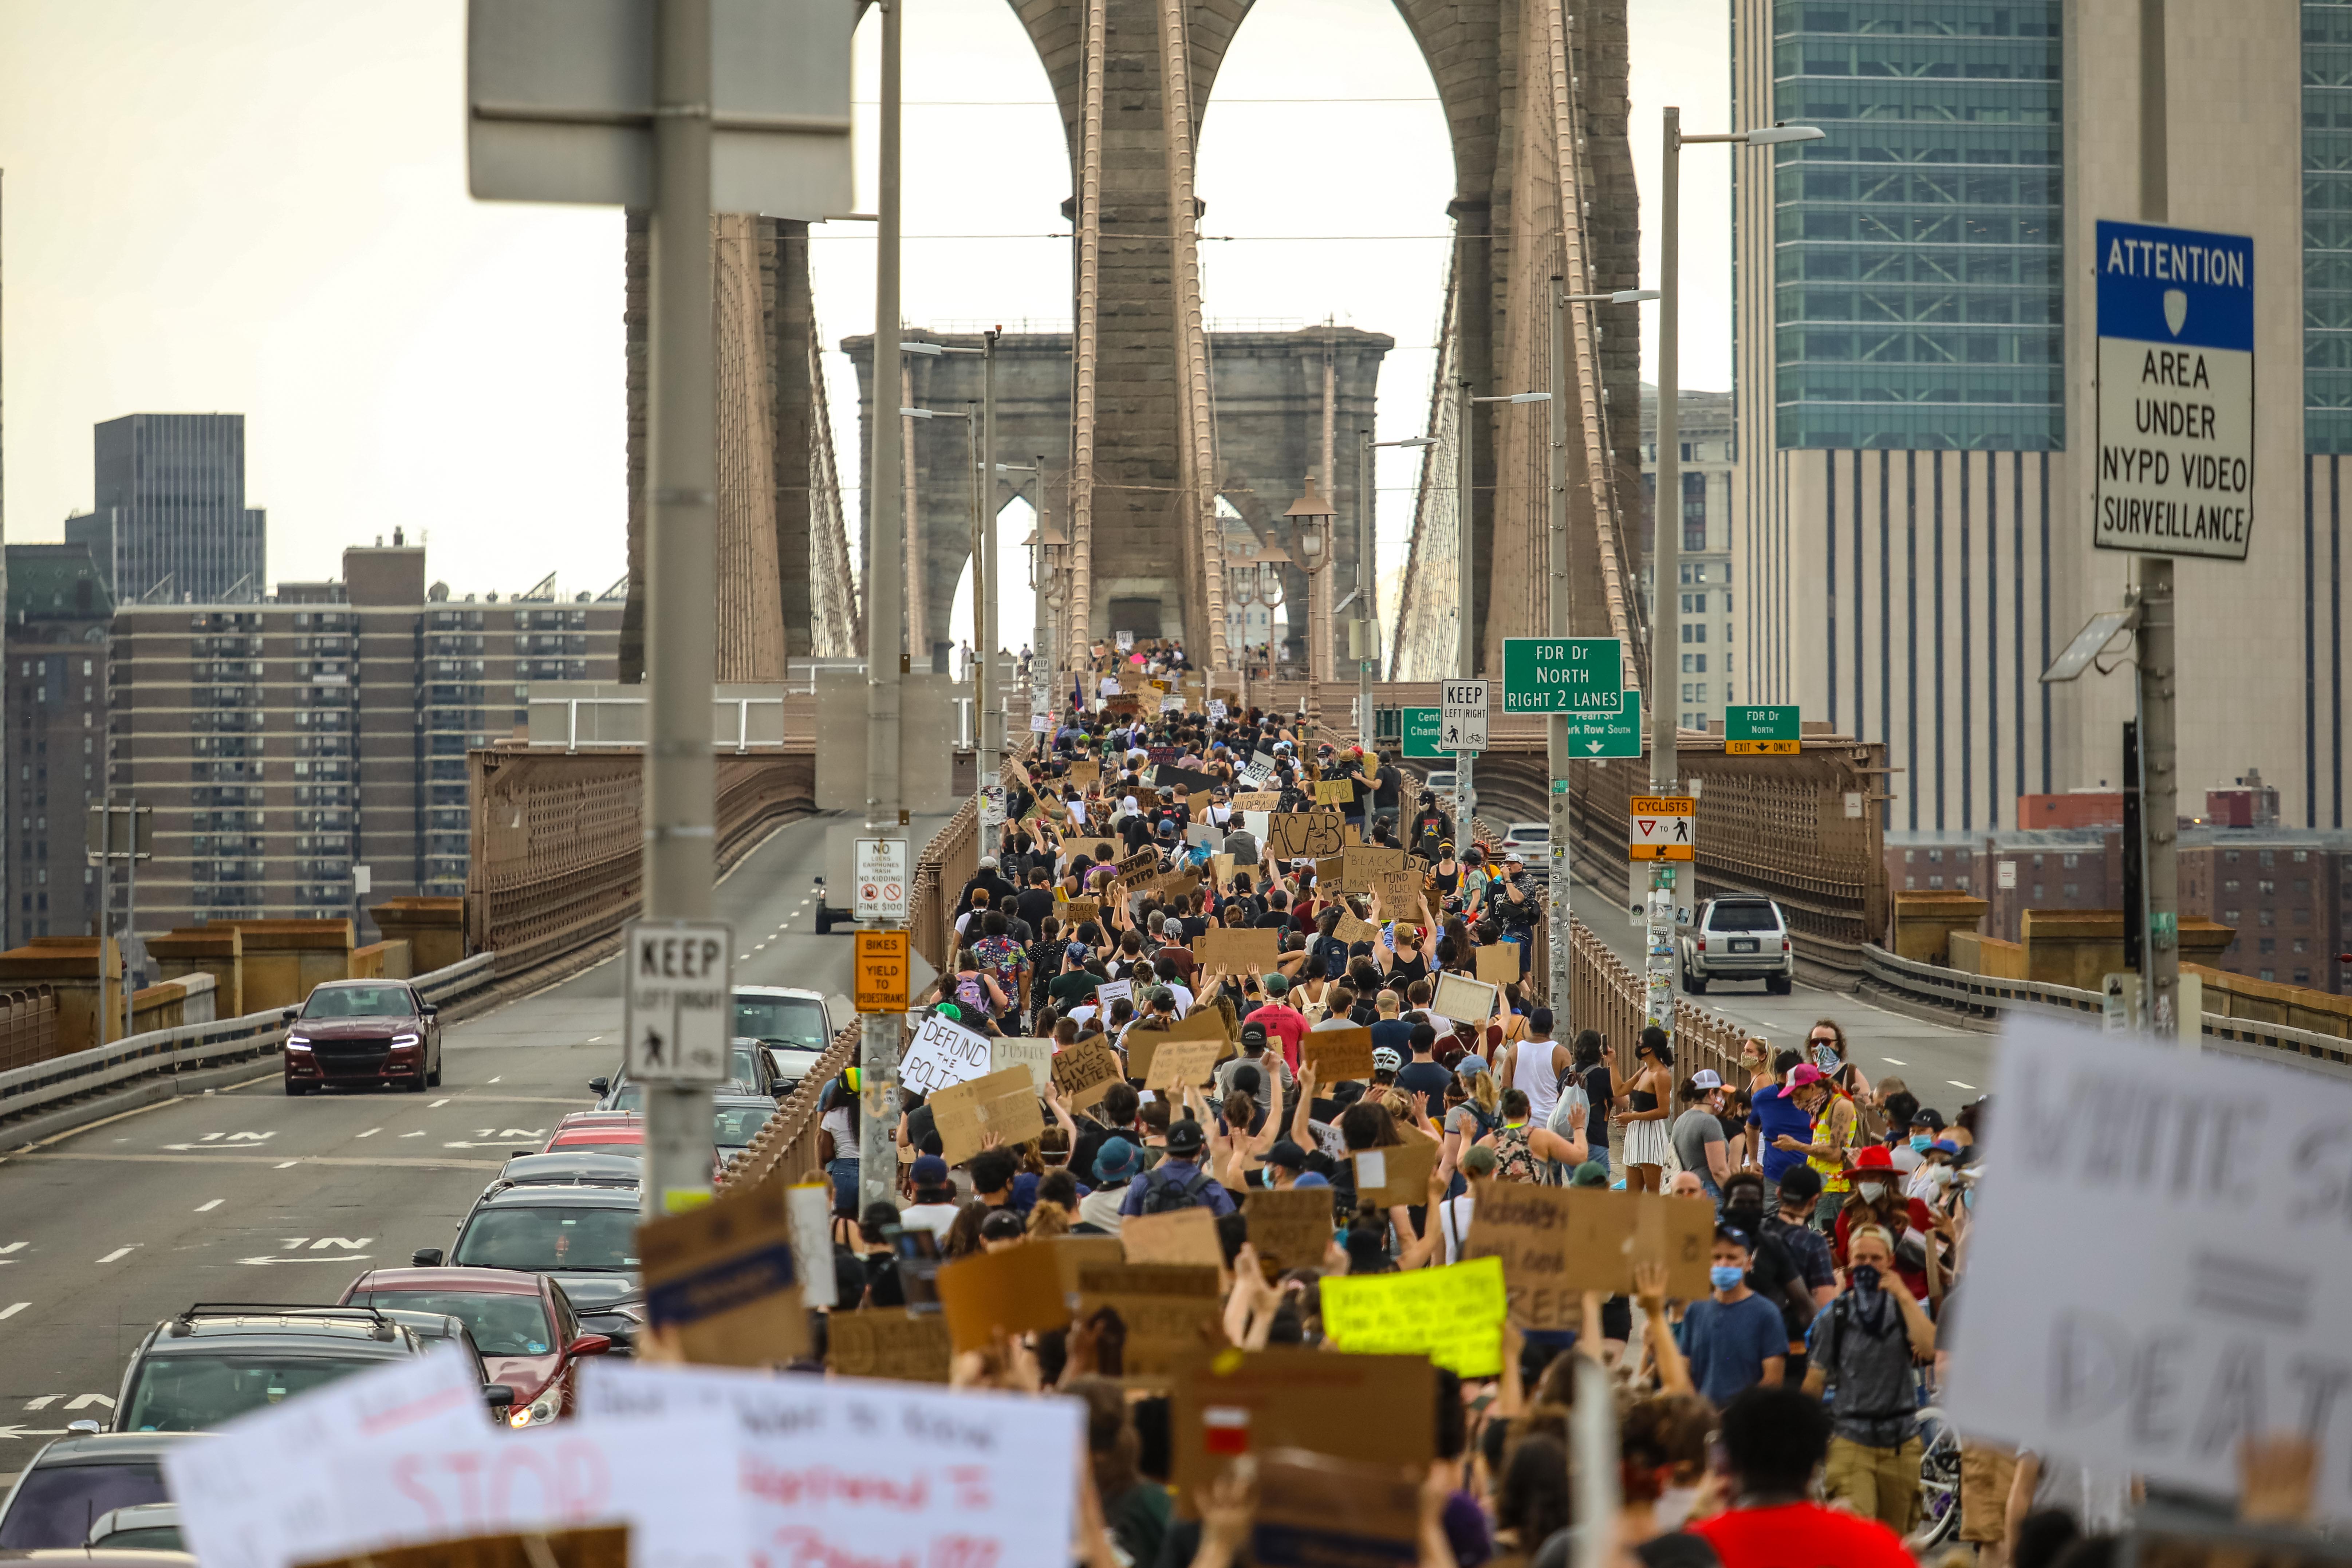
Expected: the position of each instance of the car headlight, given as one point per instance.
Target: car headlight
(407, 1040)
(537, 1413)
(297, 1043)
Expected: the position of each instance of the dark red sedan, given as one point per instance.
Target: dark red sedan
(361, 1032)
(523, 1325)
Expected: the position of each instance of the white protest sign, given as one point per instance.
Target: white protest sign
(943, 1053)
(1037, 1055)
(1111, 991)
(2158, 1260)
(408, 1453)
(1253, 823)
(843, 1471)
(1040, 723)
(810, 1206)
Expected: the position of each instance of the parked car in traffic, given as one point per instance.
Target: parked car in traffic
(794, 1024)
(357, 1034)
(80, 1479)
(1737, 937)
(520, 1324)
(598, 1129)
(581, 1235)
(1531, 840)
(751, 1068)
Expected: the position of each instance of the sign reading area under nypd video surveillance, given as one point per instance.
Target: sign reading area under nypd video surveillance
(2175, 308)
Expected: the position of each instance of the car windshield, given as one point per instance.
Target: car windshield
(54, 1504)
(602, 1241)
(148, 1537)
(743, 1066)
(732, 1126)
(502, 1324)
(1743, 917)
(630, 1096)
(190, 1393)
(782, 1021)
(359, 1001)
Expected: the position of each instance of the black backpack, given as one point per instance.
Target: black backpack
(1165, 1193)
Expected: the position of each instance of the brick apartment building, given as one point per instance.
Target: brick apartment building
(288, 744)
(59, 615)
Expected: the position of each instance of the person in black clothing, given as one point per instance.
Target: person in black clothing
(999, 891)
(1036, 900)
(1277, 911)
(1423, 1075)
(1591, 1068)
(1430, 827)
(1386, 781)
(1772, 1272)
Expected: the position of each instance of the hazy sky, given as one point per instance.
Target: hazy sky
(259, 207)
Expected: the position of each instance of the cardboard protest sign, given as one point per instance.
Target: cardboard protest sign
(1111, 991)
(1376, 1409)
(888, 1341)
(306, 1480)
(1305, 835)
(1169, 886)
(1315, 1511)
(1178, 1065)
(1221, 869)
(1019, 1050)
(1004, 1103)
(1459, 997)
(840, 1471)
(1499, 962)
(1398, 1174)
(1142, 863)
(723, 1276)
(1366, 861)
(1556, 1243)
(1204, 1022)
(1352, 930)
(1239, 951)
(1073, 1253)
(1170, 1310)
(1290, 1228)
(1085, 1071)
(2157, 1259)
(1076, 913)
(1086, 772)
(1199, 802)
(592, 1548)
(1337, 1055)
(943, 1053)
(1257, 800)
(1015, 1291)
(1335, 792)
(1183, 1236)
(1453, 1315)
(1328, 871)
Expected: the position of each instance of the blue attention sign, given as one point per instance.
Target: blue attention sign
(2176, 391)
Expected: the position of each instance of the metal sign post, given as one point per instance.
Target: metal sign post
(124, 833)
(1462, 729)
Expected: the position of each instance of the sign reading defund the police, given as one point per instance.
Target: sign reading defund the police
(2176, 471)
(2161, 1256)
(679, 1000)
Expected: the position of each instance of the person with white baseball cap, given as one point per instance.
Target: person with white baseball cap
(1698, 1132)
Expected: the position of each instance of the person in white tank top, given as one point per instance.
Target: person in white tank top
(1536, 1063)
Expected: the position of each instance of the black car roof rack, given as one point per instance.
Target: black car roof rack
(384, 1326)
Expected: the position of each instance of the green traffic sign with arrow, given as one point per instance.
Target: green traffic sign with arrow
(1420, 726)
(1595, 737)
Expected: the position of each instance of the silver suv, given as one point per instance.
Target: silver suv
(1737, 938)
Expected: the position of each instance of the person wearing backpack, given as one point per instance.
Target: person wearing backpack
(1179, 1181)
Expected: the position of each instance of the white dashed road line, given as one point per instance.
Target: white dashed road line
(118, 1252)
(286, 1166)
(207, 1208)
(1894, 1062)
(437, 1105)
(1956, 1083)
(11, 1310)
(369, 1133)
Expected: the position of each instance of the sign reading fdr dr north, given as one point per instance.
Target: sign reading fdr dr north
(2176, 391)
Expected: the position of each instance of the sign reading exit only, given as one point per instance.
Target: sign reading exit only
(1750, 731)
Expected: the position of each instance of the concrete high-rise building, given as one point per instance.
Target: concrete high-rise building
(1705, 678)
(169, 522)
(1915, 398)
(285, 743)
(55, 656)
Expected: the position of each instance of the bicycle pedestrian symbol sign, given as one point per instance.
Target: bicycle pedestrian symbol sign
(1661, 827)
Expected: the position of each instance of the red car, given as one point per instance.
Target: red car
(361, 1032)
(523, 1325)
(598, 1129)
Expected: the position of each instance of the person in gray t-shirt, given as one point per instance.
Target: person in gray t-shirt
(1697, 1126)
(1863, 1348)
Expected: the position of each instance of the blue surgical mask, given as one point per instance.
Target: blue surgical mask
(1922, 1142)
(1725, 1276)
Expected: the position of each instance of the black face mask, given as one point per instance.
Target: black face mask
(1865, 1278)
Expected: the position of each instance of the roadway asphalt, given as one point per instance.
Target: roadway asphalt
(247, 1196)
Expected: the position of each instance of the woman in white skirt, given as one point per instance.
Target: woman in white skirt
(1642, 1107)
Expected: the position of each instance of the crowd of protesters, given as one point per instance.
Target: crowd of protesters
(1780, 1421)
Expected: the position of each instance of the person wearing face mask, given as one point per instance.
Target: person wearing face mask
(1863, 1347)
(1935, 1173)
(1733, 1339)
(1825, 1048)
(1877, 1199)
(1829, 1139)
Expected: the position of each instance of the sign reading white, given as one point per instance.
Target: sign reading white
(943, 1053)
(882, 888)
(2158, 1263)
(843, 1471)
(2176, 473)
(679, 1001)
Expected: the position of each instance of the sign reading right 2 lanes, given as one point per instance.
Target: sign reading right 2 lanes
(2176, 395)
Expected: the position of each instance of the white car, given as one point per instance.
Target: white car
(1532, 841)
(794, 1024)
(1441, 783)
(1737, 937)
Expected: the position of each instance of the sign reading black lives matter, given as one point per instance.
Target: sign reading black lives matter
(2161, 1253)
(2176, 391)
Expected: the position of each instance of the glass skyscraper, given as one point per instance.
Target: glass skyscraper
(2327, 225)
(1916, 250)
(171, 522)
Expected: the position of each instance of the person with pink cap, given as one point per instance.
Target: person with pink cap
(1832, 1117)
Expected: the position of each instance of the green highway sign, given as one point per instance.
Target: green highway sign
(1563, 675)
(1594, 737)
(1751, 731)
(1420, 728)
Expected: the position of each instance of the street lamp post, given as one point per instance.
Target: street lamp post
(1666, 526)
(1367, 614)
(1557, 887)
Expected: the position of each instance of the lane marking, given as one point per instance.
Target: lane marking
(437, 1105)
(1894, 1062)
(118, 1252)
(369, 1133)
(500, 1077)
(286, 1164)
(84, 1401)
(44, 1402)
(418, 1133)
(311, 1258)
(10, 1311)
(1956, 1083)
(13, 1247)
(428, 1162)
(207, 1208)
